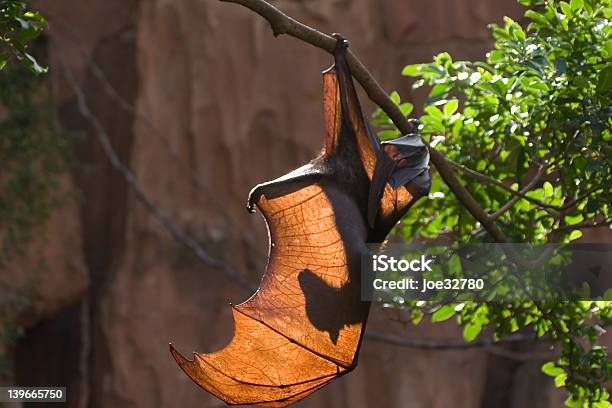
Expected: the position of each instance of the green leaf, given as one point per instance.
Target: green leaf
(443, 313)
(608, 48)
(605, 80)
(552, 370)
(574, 219)
(560, 380)
(548, 189)
(575, 235)
(539, 85)
(24, 36)
(412, 70)
(451, 107)
(443, 59)
(537, 17)
(437, 93)
(485, 66)
(572, 402)
(495, 56)
(416, 316)
(432, 124)
(406, 108)
(435, 112)
(560, 66)
(395, 97)
(32, 64)
(567, 10)
(471, 331)
(576, 5)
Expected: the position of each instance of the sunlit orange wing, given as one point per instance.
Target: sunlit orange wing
(304, 325)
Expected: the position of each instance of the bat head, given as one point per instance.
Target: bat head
(404, 167)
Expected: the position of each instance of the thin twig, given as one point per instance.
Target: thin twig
(581, 197)
(490, 180)
(179, 234)
(521, 194)
(536, 179)
(592, 223)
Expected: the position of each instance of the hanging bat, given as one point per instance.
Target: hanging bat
(304, 326)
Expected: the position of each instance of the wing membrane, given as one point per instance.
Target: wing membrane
(287, 344)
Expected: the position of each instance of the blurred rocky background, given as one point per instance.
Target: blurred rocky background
(202, 102)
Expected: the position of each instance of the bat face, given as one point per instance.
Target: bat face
(304, 325)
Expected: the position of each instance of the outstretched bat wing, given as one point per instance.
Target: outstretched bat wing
(304, 325)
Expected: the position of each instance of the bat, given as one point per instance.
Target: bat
(304, 325)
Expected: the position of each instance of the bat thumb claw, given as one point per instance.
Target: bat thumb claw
(250, 207)
(415, 124)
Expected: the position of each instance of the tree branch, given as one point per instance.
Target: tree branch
(521, 194)
(283, 24)
(592, 223)
(490, 180)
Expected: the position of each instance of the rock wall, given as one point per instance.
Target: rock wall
(203, 103)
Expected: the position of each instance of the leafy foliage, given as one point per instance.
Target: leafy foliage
(33, 154)
(18, 28)
(535, 118)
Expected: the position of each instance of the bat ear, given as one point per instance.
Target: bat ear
(404, 167)
(410, 156)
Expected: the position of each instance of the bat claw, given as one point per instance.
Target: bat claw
(415, 124)
(250, 207)
(254, 196)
